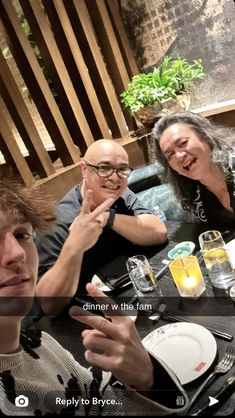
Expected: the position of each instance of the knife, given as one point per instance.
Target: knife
(169, 317)
(226, 390)
(117, 282)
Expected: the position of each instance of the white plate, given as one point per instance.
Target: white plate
(188, 349)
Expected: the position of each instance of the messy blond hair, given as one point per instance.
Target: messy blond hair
(32, 204)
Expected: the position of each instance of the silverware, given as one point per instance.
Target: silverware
(200, 258)
(117, 282)
(132, 300)
(161, 272)
(223, 366)
(215, 332)
(224, 392)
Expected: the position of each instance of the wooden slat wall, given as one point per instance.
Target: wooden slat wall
(124, 44)
(12, 152)
(88, 65)
(50, 52)
(82, 68)
(22, 118)
(99, 67)
(36, 82)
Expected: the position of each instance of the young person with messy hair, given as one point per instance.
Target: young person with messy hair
(38, 376)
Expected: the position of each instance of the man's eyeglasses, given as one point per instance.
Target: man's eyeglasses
(107, 170)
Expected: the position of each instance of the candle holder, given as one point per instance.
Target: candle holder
(187, 276)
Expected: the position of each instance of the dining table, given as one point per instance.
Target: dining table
(214, 309)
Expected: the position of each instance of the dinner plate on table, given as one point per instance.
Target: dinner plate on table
(188, 349)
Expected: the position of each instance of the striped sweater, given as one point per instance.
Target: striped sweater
(43, 378)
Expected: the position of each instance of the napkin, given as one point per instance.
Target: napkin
(112, 272)
(230, 247)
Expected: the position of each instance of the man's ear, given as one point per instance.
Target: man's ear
(83, 168)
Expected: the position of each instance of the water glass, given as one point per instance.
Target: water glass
(144, 282)
(211, 239)
(217, 259)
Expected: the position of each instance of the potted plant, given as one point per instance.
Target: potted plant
(165, 89)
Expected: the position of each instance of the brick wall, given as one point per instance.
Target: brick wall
(191, 29)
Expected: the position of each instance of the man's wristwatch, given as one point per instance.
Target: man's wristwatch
(111, 217)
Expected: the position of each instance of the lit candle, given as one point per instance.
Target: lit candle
(187, 275)
(192, 286)
(190, 282)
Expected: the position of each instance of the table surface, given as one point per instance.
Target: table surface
(220, 315)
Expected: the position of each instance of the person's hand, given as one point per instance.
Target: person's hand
(115, 346)
(103, 218)
(88, 225)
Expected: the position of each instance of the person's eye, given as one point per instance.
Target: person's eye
(23, 236)
(183, 143)
(124, 170)
(104, 168)
(169, 156)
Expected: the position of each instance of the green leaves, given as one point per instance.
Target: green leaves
(171, 78)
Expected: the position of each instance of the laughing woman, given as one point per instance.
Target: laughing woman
(195, 155)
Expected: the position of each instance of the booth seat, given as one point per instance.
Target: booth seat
(146, 182)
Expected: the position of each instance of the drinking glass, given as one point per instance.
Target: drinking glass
(211, 239)
(216, 259)
(144, 282)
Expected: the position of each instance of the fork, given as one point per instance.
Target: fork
(223, 366)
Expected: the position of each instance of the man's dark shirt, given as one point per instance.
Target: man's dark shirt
(109, 245)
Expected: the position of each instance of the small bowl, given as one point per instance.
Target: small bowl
(181, 250)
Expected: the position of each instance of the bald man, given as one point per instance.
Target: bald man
(66, 265)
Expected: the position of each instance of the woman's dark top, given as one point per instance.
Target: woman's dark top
(208, 208)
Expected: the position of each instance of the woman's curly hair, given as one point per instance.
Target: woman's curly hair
(219, 139)
(31, 204)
